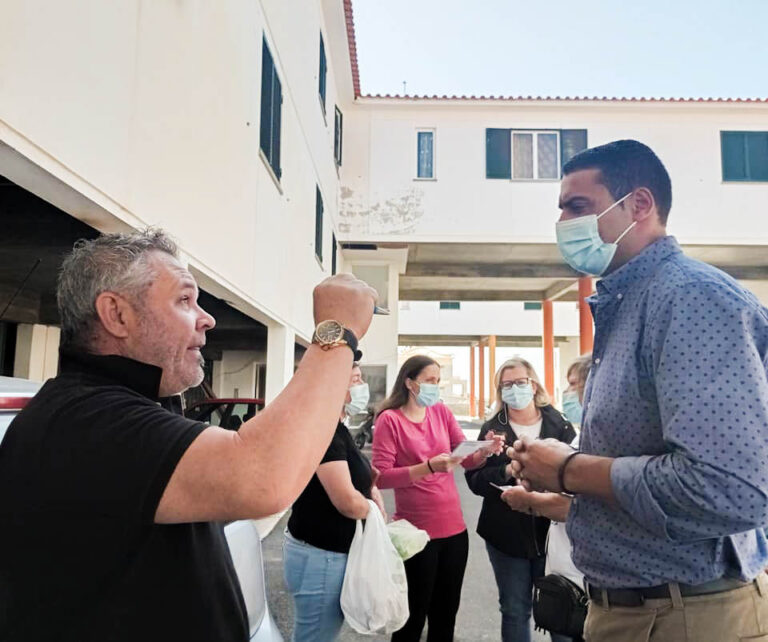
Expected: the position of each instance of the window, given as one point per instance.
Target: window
(450, 305)
(744, 156)
(535, 155)
(334, 250)
(377, 276)
(271, 104)
(425, 166)
(530, 155)
(318, 225)
(322, 73)
(338, 123)
(532, 305)
(498, 153)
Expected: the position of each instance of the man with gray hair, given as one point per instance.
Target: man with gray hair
(110, 503)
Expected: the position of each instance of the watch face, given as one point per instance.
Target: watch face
(329, 331)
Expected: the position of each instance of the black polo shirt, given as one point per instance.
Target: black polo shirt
(82, 470)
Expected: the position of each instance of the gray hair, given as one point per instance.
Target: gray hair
(110, 263)
(580, 367)
(540, 397)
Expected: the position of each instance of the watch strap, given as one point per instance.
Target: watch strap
(351, 341)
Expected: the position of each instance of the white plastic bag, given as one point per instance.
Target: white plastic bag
(374, 596)
(408, 539)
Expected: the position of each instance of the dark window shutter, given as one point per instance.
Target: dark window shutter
(337, 135)
(265, 133)
(322, 73)
(277, 107)
(334, 250)
(572, 141)
(757, 156)
(271, 105)
(318, 224)
(734, 159)
(498, 161)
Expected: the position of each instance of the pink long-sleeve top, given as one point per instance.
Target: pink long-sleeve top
(431, 503)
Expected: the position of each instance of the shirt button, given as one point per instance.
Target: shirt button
(619, 296)
(597, 360)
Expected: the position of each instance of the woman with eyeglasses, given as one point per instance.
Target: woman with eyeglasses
(412, 444)
(515, 540)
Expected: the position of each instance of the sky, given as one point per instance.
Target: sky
(651, 48)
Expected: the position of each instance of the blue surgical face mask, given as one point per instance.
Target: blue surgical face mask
(517, 397)
(359, 396)
(572, 407)
(581, 245)
(429, 394)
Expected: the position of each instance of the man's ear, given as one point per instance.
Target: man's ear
(116, 315)
(643, 204)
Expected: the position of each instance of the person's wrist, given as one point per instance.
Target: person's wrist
(429, 465)
(563, 469)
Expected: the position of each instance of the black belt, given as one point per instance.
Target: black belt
(637, 596)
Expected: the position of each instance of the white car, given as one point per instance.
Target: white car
(242, 536)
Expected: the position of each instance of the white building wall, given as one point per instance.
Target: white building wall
(485, 318)
(153, 109)
(382, 200)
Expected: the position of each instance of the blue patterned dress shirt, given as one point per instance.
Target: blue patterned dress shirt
(678, 394)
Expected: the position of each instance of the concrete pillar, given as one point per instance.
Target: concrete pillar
(491, 368)
(481, 377)
(37, 352)
(235, 374)
(585, 316)
(472, 407)
(548, 340)
(280, 359)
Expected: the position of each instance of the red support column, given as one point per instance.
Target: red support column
(472, 381)
(491, 368)
(481, 377)
(585, 316)
(548, 340)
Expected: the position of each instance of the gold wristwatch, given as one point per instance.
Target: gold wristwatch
(330, 334)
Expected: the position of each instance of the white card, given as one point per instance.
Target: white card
(468, 447)
(501, 488)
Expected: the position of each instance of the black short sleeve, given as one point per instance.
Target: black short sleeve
(132, 445)
(337, 451)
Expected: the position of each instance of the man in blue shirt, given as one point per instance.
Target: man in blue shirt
(671, 479)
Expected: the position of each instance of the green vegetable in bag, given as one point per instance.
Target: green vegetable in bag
(408, 539)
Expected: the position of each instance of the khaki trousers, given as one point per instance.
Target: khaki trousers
(731, 616)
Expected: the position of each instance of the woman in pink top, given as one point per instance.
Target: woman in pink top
(412, 442)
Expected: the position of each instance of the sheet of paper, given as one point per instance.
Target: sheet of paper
(468, 447)
(501, 488)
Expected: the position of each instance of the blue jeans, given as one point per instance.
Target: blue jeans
(314, 577)
(514, 577)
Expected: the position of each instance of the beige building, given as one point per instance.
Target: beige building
(241, 129)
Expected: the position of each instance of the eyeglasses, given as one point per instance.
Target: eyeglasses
(517, 383)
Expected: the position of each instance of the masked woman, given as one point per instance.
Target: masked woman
(322, 525)
(412, 445)
(515, 540)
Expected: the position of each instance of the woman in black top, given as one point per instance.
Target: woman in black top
(515, 540)
(322, 525)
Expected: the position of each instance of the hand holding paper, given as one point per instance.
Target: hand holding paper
(466, 448)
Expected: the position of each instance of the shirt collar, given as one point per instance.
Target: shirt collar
(641, 266)
(140, 377)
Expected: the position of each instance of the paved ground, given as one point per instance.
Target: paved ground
(478, 617)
